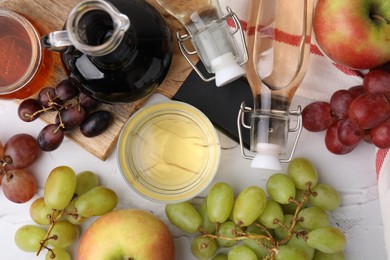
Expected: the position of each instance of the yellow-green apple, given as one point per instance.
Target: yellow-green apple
(353, 33)
(127, 234)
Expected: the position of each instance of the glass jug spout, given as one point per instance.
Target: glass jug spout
(88, 32)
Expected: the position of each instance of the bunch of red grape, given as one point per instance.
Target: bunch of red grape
(359, 113)
(18, 153)
(74, 109)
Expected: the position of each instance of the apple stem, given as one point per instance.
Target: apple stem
(380, 18)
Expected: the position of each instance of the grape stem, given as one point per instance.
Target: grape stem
(3, 163)
(239, 237)
(47, 237)
(33, 115)
(52, 104)
(296, 219)
(53, 218)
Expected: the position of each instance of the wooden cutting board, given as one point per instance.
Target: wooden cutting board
(48, 16)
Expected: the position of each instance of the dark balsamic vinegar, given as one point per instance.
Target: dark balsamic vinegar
(136, 67)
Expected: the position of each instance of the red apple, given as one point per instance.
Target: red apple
(127, 234)
(353, 33)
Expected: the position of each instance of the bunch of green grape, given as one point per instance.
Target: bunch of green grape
(290, 220)
(69, 199)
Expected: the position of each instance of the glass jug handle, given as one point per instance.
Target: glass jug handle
(56, 41)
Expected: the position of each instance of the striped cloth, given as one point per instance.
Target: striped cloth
(383, 174)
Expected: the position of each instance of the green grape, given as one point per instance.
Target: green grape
(272, 211)
(207, 225)
(291, 207)
(287, 252)
(75, 220)
(220, 200)
(228, 229)
(29, 237)
(318, 255)
(96, 202)
(255, 228)
(231, 212)
(299, 242)
(258, 245)
(60, 187)
(203, 247)
(259, 250)
(281, 232)
(220, 257)
(302, 172)
(40, 213)
(326, 197)
(328, 240)
(66, 234)
(184, 216)
(313, 218)
(280, 188)
(250, 203)
(86, 180)
(72, 215)
(241, 252)
(58, 254)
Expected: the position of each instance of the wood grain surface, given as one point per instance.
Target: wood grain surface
(50, 15)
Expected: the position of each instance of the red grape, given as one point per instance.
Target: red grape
(50, 137)
(377, 81)
(87, 102)
(380, 135)
(349, 133)
(48, 98)
(96, 123)
(29, 109)
(71, 117)
(18, 185)
(23, 150)
(333, 143)
(340, 101)
(317, 116)
(357, 90)
(369, 110)
(66, 90)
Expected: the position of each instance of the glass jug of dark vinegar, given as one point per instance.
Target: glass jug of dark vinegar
(118, 50)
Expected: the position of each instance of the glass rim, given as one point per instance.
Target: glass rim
(36, 52)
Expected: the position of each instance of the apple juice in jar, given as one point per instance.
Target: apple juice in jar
(168, 151)
(24, 66)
